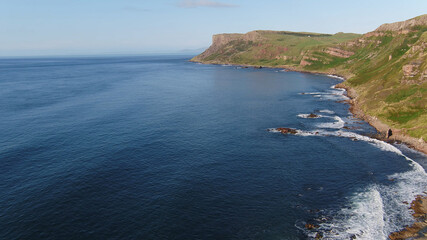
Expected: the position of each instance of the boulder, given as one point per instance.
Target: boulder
(319, 235)
(310, 226)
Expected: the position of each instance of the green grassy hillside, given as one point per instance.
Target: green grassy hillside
(389, 73)
(387, 67)
(273, 48)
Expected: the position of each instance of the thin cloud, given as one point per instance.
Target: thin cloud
(204, 3)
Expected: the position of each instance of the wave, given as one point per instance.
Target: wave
(378, 210)
(327, 111)
(335, 76)
(339, 123)
(314, 93)
(362, 219)
(336, 95)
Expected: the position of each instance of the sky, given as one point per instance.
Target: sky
(91, 27)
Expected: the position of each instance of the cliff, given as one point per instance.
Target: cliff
(386, 69)
(221, 40)
(407, 25)
(267, 47)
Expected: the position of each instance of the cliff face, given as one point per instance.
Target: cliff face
(221, 40)
(386, 67)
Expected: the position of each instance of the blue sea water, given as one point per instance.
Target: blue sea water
(156, 147)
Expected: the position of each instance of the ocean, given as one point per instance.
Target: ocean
(157, 147)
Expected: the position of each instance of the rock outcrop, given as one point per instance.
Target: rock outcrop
(403, 26)
(338, 52)
(287, 130)
(419, 206)
(411, 69)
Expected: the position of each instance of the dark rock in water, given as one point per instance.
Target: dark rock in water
(312, 115)
(258, 67)
(287, 130)
(310, 226)
(319, 235)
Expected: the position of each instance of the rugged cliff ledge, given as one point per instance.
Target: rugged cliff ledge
(385, 69)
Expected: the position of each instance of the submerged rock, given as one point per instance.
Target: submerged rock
(319, 235)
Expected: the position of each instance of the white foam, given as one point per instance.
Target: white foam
(378, 143)
(304, 115)
(327, 111)
(364, 218)
(273, 130)
(380, 209)
(335, 76)
(406, 187)
(315, 93)
(331, 95)
(339, 123)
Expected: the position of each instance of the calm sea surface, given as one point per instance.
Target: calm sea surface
(161, 148)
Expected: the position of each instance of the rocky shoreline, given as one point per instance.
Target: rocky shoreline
(382, 128)
(418, 231)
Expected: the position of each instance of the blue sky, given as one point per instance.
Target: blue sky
(69, 27)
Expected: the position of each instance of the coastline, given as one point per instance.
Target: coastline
(418, 230)
(355, 109)
(381, 127)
